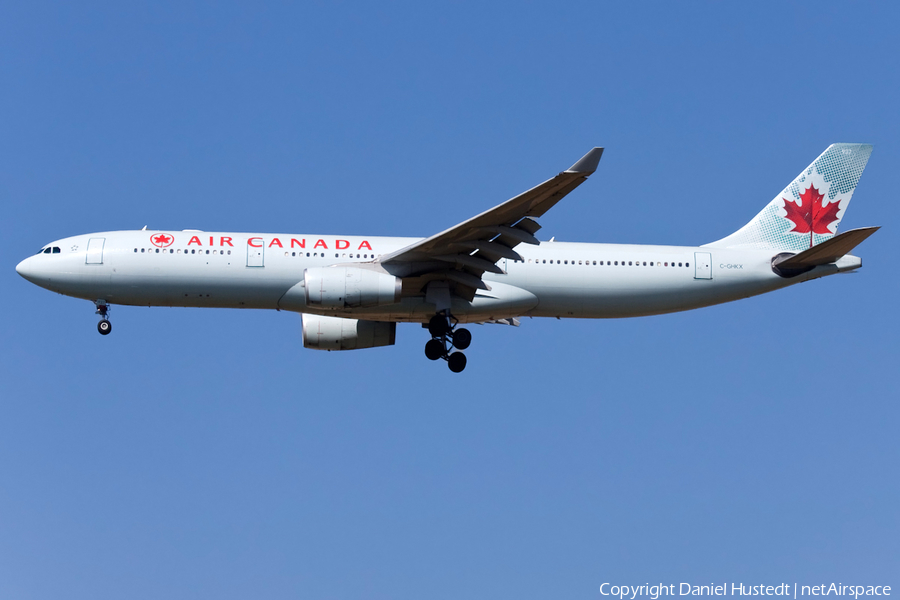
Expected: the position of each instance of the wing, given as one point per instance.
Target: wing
(462, 254)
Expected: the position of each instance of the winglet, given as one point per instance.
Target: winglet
(588, 163)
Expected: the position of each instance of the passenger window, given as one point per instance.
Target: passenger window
(207, 251)
(687, 264)
(679, 264)
(157, 250)
(629, 263)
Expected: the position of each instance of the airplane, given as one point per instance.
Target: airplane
(353, 290)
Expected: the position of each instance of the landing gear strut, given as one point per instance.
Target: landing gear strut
(445, 337)
(104, 326)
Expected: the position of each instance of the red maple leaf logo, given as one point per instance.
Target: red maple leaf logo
(161, 240)
(811, 217)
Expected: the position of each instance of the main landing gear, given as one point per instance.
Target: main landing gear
(445, 337)
(104, 326)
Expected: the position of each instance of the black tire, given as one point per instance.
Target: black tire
(104, 327)
(434, 349)
(438, 326)
(457, 362)
(462, 338)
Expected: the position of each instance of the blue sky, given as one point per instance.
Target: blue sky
(205, 453)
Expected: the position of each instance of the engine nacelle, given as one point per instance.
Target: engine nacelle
(335, 333)
(349, 287)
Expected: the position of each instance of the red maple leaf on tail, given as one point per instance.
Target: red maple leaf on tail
(811, 217)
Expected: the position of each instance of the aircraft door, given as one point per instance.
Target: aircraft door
(255, 254)
(702, 265)
(94, 251)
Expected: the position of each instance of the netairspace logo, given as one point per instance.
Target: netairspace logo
(631, 592)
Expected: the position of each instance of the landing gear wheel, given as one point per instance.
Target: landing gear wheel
(462, 338)
(104, 327)
(438, 326)
(434, 349)
(457, 362)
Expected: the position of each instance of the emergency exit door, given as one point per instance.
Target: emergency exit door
(94, 251)
(255, 255)
(702, 265)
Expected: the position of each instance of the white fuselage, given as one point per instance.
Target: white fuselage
(555, 279)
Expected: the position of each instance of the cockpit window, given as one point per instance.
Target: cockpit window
(47, 250)
(56, 250)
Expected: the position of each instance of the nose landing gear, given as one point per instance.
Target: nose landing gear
(444, 338)
(104, 326)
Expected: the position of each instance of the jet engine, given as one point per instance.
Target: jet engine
(335, 333)
(349, 287)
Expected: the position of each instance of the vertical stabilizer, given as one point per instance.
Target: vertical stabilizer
(808, 211)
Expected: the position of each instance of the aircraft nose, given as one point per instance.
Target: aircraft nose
(27, 269)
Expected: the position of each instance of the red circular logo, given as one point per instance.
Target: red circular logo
(161, 240)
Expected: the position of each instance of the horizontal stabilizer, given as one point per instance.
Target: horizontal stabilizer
(829, 251)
